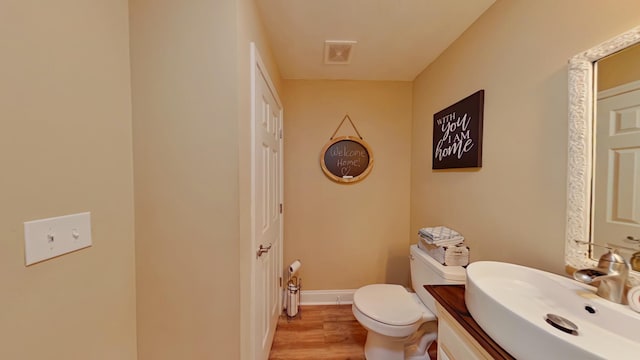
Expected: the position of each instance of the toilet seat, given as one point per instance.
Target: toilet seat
(388, 304)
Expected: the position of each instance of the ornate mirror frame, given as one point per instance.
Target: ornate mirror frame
(581, 101)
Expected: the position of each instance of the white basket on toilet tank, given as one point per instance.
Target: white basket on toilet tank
(400, 324)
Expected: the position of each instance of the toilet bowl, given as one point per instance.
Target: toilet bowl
(389, 310)
(400, 324)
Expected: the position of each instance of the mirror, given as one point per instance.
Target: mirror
(596, 188)
(615, 172)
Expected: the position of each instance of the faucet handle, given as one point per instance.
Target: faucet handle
(613, 261)
(612, 256)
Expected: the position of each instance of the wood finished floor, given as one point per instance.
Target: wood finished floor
(327, 332)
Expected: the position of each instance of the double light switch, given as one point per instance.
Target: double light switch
(48, 238)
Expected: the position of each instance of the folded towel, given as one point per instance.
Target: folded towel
(446, 242)
(439, 233)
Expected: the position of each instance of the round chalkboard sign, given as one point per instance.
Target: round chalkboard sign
(346, 159)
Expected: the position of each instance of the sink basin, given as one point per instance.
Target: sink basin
(512, 304)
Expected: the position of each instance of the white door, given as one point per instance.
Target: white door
(267, 208)
(616, 212)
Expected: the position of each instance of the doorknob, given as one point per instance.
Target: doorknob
(631, 238)
(262, 250)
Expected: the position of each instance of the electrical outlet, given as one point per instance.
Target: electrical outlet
(48, 238)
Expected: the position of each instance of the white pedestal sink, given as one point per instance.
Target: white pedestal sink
(511, 303)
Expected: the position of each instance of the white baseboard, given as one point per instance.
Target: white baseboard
(326, 297)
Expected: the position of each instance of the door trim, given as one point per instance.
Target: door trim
(620, 89)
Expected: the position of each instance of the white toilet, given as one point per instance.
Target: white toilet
(401, 325)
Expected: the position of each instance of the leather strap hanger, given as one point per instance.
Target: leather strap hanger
(346, 117)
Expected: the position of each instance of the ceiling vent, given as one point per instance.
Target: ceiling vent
(338, 51)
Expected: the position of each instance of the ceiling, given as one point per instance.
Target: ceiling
(396, 39)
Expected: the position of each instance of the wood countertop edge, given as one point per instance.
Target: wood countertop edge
(451, 297)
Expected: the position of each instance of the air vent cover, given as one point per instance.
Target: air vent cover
(338, 51)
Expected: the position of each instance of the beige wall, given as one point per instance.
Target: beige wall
(65, 147)
(351, 235)
(513, 208)
(191, 102)
(185, 110)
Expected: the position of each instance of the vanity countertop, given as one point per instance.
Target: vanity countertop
(451, 297)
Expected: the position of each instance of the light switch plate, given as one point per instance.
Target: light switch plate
(48, 238)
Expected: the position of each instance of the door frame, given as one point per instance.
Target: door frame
(257, 65)
(617, 90)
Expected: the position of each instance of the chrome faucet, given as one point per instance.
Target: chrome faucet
(612, 273)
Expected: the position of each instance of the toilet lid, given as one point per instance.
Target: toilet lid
(389, 304)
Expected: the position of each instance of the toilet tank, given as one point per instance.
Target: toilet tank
(425, 270)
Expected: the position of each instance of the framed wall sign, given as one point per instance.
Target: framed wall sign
(457, 134)
(346, 159)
